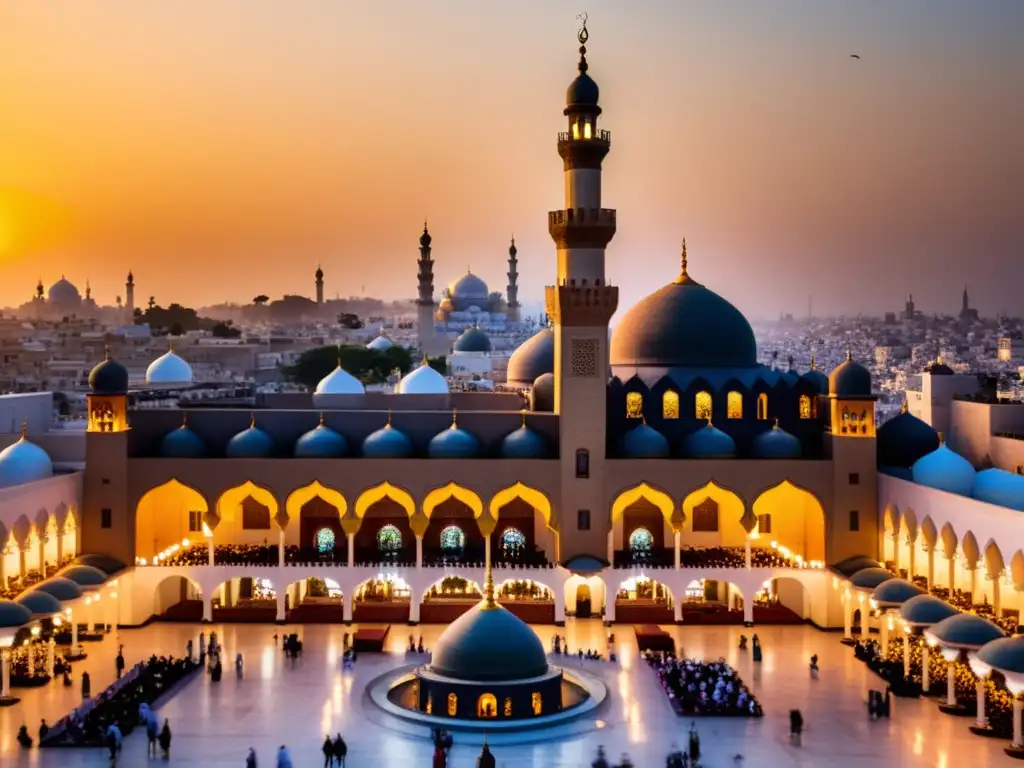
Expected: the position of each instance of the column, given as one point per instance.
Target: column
(352, 551)
(847, 615)
(1018, 736)
(677, 611)
(974, 582)
(5, 674)
(89, 625)
(60, 545)
(209, 551)
(883, 630)
(280, 617)
(950, 683)
(347, 607)
(414, 608)
(609, 605)
(51, 656)
(979, 692)
(996, 599)
(487, 551)
(559, 595)
(419, 550)
(75, 649)
(280, 548)
(748, 612)
(207, 609)
(931, 567)
(912, 546)
(678, 538)
(865, 618)
(906, 656)
(896, 549)
(952, 574)
(746, 551)
(925, 672)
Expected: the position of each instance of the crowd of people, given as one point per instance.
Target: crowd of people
(696, 687)
(704, 557)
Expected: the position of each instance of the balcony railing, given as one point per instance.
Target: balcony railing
(599, 135)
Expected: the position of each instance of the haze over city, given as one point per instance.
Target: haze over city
(225, 150)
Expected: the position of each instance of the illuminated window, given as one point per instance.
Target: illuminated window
(805, 407)
(513, 542)
(453, 704)
(430, 704)
(535, 700)
(453, 539)
(705, 516)
(762, 406)
(582, 463)
(575, 130)
(702, 406)
(587, 130)
(389, 539)
(634, 405)
(324, 540)
(670, 405)
(508, 708)
(764, 523)
(641, 541)
(734, 405)
(487, 706)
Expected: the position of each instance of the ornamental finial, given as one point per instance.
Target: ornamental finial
(684, 275)
(489, 588)
(389, 418)
(583, 35)
(522, 413)
(24, 428)
(903, 406)
(321, 418)
(455, 418)
(252, 419)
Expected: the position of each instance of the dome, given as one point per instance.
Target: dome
(425, 238)
(997, 486)
(582, 92)
(965, 630)
(340, 382)
(542, 394)
(13, 615)
(183, 443)
(468, 287)
(453, 443)
(387, 443)
(381, 343)
(533, 358)
(84, 576)
(893, 592)
(23, 462)
(815, 377)
(252, 443)
(40, 603)
(709, 442)
(645, 442)
(473, 340)
(938, 368)
(1005, 654)
(105, 563)
(686, 325)
(870, 578)
(61, 588)
(904, 439)
(850, 379)
(489, 643)
(945, 471)
(852, 565)
(777, 443)
(926, 609)
(64, 293)
(109, 378)
(423, 381)
(321, 442)
(169, 369)
(524, 443)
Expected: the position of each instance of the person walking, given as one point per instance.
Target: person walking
(113, 742)
(486, 759)
(340, 750)
(694, 743)
(165, 739)
(119, 664)
(250, 759)
(284, 759)
(152, 733)
(328, 750)
(796, 726)
(600, 761)
(86, 685)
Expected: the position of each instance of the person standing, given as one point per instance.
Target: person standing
(119, 662)
(601, 761)
(340, 750)
(486, 759)
(165, 739)
(43, 730)
(86, 685)
(250, 759)
(284, 760)
(328, 750)
(113, 741)
(694, 743)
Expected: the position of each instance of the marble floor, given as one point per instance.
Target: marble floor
(278, 701)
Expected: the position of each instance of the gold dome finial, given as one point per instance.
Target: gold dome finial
(849, 354)
(321, 418)
(170, 343)
(455, 418)
(252, 419)
(184, 419)
(388, 425)
(106, 351)
(24, 428)
(814, 365)
(522, 414)
(903, 406)
(424, 362)
(489, 601)
(684, 275)
(942, 438)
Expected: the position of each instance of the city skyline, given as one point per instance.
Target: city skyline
(232, 160)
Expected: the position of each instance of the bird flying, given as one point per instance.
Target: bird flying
(854, 56)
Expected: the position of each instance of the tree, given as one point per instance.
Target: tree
(225, 331)
(351, 321)
(177, 330)
(368, 365)
(261, 300)
(439, 364)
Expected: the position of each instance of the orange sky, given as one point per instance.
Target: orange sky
(221, 149)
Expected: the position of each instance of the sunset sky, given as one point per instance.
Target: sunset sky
(223, 148)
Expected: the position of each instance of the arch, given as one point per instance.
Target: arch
(531, 496)
(453, 491)
(798, 520)
(698, 508)
(178, 596)
(670, 404)
(591, 587)
(703, 405)
(928, 532)
(762, 406)
(657, 497)
(1017, 570)
(634, 405)
(371, 496)
(298, 498)
(487, 706)
(910, 524)
(169, 514)
(994, 564)
(969, 548)
(949, 540)
(734, 404)
(792, 593)
(69, 537)
(21, 530)
(447, 583)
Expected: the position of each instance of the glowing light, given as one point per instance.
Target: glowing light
(185, 543)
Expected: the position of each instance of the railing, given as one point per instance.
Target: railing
(581, 216)
(598, 135)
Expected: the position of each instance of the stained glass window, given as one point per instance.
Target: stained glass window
(453, 704)
(634, 405)
(734, 405)
(508, 707)
(702, 406)
(452, 538)
(513, 542)
(670, 405)
(641, 540)
(389, 539)
(805, 407)
(537, 703)
(324, 540)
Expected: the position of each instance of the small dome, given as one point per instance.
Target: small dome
(709, 442)
(542, 395)
(997, 486)
(13, 615)
(169, 369)
(1005, 654)
(489, 644)
(84, 576)
(870, 578)
(945, 471)
(893, 592)
(852, 565)
(938, 368)
(40, 603)
(926, 609)
(109, 378)
(321, 442)
(468, 287)
(340, 382)
(965, 630)
(645, 442)
(582, 92)
(905, 439)
(109, 565)
(815, 377)
(777, 443)
(473, 340)
(381, 343)
(453, 443)
(183, 443)
(423, 381)
(425, 238)
(64, 293)
(850, 379)
(23, 462)
(524, 443)
(533, 358)
(252, 443)
(387, 443)
(61, 588)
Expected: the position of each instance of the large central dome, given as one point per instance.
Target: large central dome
(469, 286)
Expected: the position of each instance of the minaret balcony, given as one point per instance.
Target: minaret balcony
(582, 227)
(583, 151)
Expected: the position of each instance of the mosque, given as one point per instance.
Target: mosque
(63, 299)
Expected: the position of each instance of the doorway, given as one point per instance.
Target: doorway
(583, 602)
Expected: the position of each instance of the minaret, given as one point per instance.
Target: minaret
(319, 286)
(966, 303)
(425, 297)
(129, 296)
(512, 292)
(581, 305)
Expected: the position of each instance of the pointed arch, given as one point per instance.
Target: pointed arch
(798, 519)
(370, 496)
(531, 496)
(1017, 570)
(910, 524)
(166, 515)
(300, 496)
(949, 540)
(656, 496)
(971, 553)
(928, 532)
(453, 491)
(994, 563)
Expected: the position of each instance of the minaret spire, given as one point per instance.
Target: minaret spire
(512, 292)
(425, 294)
(319, 285)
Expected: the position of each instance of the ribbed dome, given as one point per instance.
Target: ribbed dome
(40, 603)
(944, 470)
(645, 442)
(64, 293)
(23, 462)
(183, 443)
(524, 443)
(84, 576)
(340, 382)
(489, 643)
(453, 443)
(423, 381)
(870, 578)
(926, 609)
(109, 378)
(709, 442)
(381, 343)
(13, 615)
(542, 394)
(321, 442)
(965, 630)
(777, 443)
(61, 588)
(850, 379)
(469, 286)
(1005, 654)
(169, 369)
(997, 486)
(387, 443)
(473, 340)
(893, 592)
(905, 439)
(533, 358)
(252, 443)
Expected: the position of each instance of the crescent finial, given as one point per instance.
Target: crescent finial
(583, 35)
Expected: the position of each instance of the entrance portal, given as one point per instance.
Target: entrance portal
(583, 602)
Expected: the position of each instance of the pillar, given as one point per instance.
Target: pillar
(75, 650)
(677, 611)
(951, 683)
(347, 607)
(207, 609)
(352, 551)
(280, 617)
(952, 574)
(678, 559)
(896, 549)
(229, 597)
(487, 551)
(60, 545)
(996, 599)
(51, 656)
(925, 672)
(912, 546)
(847, 615)
(1018, 736)
(746, 551)
(979, 692)
(209, 551)
(89, 624)
(5, 674)
(414, 607)
(559, 595)
(280, 548)
(906, 656)
(748, 612)
(931, 567)
(609, 606)
(419, 550)
(973, 568)
(883, 630)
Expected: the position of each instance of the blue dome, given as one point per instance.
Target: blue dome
(61, 588)
(533, 358)
(109, 378)
(582, 92)
(542, 395)
(453, 443)
(893, 592)
(489, 643)
(84, 576)
(870, 578)
(852, 565)
(469, 287)
(997, 486)
(472, 340)
(966, 630)
(777, 443)
(926, 609)
(40, 602)
(816, 378)
(905, 439)
(387, 443)
(709, 442)
(13, 615)
(850, 379)
(321, 442)
(1005, 654)
(253, 443)
(183, 443)
(945, 471)
(645, 442)
(524, 443)
(23, 462)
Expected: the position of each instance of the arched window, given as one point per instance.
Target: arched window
(734, 405)
(705, 516)
(389, 539)
(762, 406)
(324, 541)
(582, 463)
(702, 405)
(508, 707)
(453, 704)
(487, 706)
(453, 539)
(513, 542)
(634, 405)
(670, 405)
(430, 704)
(805, 407)
(641, 541)
(537, 703)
